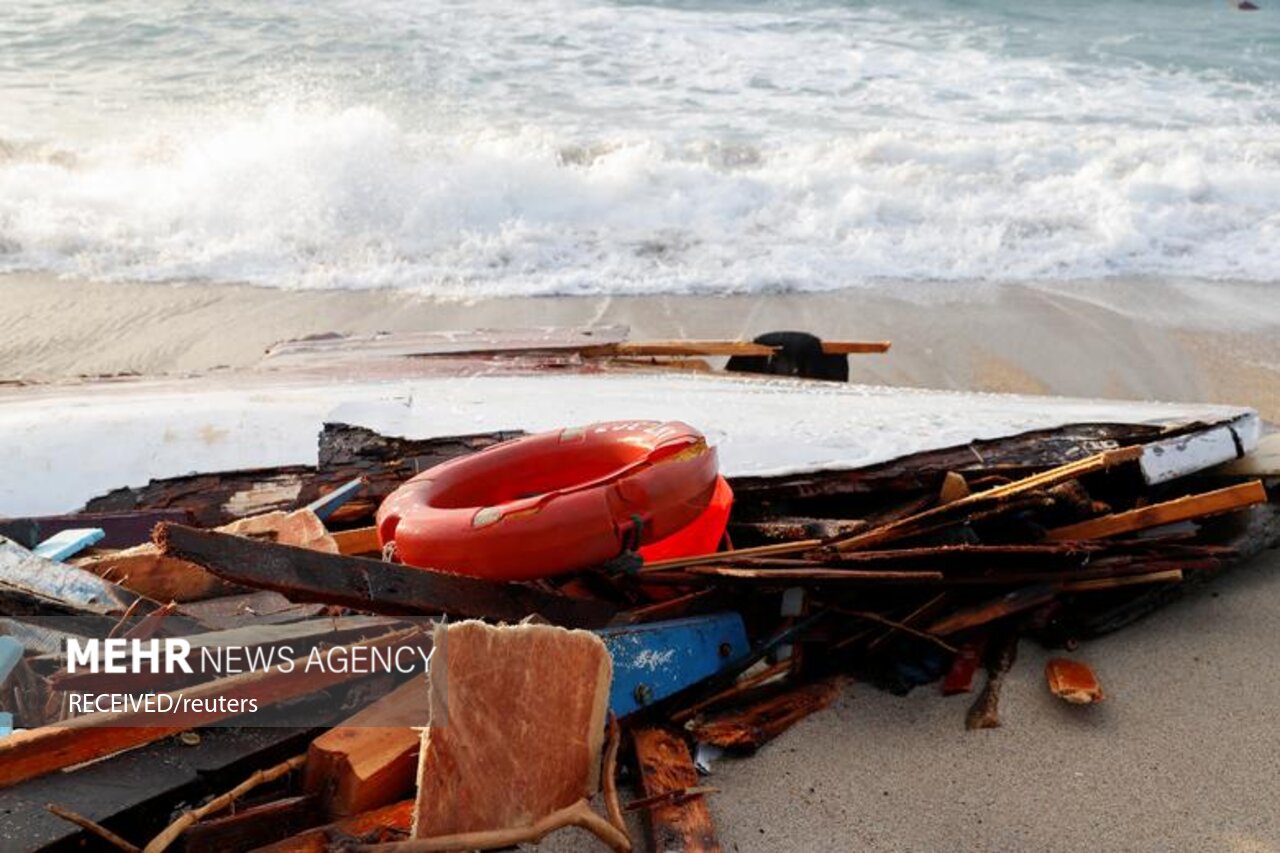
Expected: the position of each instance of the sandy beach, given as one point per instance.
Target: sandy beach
(1139, 340)
(1181, 756)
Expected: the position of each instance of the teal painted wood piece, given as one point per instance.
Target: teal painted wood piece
(656, 660)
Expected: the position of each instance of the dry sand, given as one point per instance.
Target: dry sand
(1184, 754)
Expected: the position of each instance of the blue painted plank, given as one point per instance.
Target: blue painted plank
(68, 543)
(656, 660)
(325, 506)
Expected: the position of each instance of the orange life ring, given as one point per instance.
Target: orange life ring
(554, 502)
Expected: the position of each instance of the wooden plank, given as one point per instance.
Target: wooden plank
(370, 584)
(35, 752)
(940, 516)
(816, 574)
(986, 612)
(1203, 505)
(678, 348)
(68, 543)
(752, 727)
(260, 607)
(252, 827)
(362, 540)
(369, 760)
(855, 347)
(390, 823)
(665, 767)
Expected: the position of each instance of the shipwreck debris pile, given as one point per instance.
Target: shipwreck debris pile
(926, 569)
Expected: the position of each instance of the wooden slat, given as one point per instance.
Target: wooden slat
(1186, 508)
(370, 584)
(369, 761)
(855, 347)
(814, 574)
(390, 823)
(362, 540)
(250, 828)
(940, 516)
(666, 766)
(662, 348)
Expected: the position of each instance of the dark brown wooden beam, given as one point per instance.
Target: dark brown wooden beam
(373, 585)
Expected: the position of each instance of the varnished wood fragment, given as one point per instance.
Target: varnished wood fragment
(1072, 681)
(666, 767)
(751, 727)
(369, 761)
(362, 540)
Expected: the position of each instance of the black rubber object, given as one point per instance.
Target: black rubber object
(799, 354)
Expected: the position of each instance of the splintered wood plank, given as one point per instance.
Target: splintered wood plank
(35, 752)
(986, 612)
(523, 710)
(757, 724)
(370, 760)
(1186, 508)
(144, 570)
(390, 823)
(665, 767)
(941, 516)
(370, 584)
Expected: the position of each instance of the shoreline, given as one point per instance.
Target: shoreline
(1137, 340)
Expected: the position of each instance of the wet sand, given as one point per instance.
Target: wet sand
(1129, 340)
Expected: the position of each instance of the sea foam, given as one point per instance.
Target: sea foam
(585, 148)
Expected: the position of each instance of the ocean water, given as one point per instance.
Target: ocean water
(475, 149)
